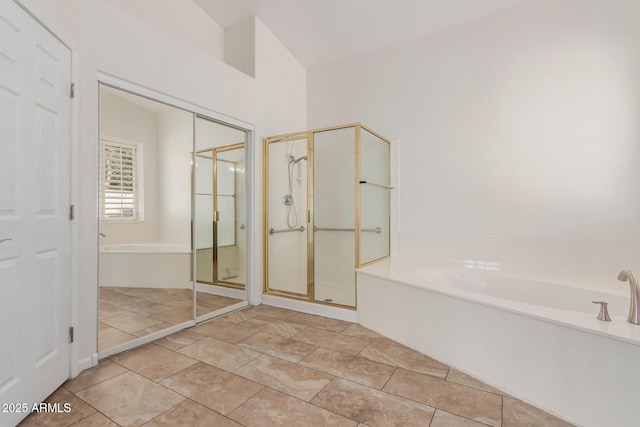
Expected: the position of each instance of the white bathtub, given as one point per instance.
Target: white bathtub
(145, 265)
(537, 339)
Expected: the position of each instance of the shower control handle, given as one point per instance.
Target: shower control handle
(604, 312)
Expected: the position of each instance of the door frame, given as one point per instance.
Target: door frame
(308, 215)
(58, 364)
(74, 137)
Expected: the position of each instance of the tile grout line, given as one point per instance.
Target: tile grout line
(158, 381)
(294, 363)
(304, 401)
(458, 415)
(97, 410)
(389, 379)
(353, 382)
(195, 402)
(467, 418)
(99, 382)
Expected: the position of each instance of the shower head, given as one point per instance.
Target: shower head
(293, 160)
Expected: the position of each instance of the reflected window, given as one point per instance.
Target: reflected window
(119, 189)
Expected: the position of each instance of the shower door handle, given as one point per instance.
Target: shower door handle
(216, 216)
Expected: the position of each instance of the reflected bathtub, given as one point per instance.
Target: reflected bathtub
(145, 265)
(535, 338)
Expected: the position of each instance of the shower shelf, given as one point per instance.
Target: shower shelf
(377, 185)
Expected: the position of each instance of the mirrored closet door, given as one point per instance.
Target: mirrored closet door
(220, 211)
(171, 218)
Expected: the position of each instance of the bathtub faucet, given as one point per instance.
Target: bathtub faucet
(634, 316)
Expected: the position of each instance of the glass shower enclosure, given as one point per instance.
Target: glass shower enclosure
(326, 211)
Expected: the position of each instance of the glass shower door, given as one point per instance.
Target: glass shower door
(326, 204)
(286, 213)
(374, 197)
(229, 205)
(334, 177)
(204, 219)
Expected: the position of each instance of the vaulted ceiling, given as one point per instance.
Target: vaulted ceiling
(321, 31)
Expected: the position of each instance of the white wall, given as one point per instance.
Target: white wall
(240, 46)
(122, 121)
(518, 135)
(281, 85)
(175, 141)
(182, 19)
(109, 40)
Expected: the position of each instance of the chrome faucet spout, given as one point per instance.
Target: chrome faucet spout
(634, 289)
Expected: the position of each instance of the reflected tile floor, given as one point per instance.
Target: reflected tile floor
(129, 313)
(265, 366)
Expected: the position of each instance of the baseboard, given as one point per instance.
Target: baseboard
(86, 363)
(311, 308)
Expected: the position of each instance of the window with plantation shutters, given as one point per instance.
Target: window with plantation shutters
(119, 181)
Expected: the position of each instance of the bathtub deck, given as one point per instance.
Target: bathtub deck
(276, 367)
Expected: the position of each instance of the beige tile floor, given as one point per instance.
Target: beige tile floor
(265, 366)
(128, 313)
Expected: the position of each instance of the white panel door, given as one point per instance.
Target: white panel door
(35, 260)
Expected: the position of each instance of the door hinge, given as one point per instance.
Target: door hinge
(72, 212)
(72, 92)
(71, 334)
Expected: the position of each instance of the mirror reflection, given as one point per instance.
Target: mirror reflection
(220, 238)
(145, 217)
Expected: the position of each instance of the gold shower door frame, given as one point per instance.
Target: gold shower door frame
(308, 214)
(309, 136)
(214, 258)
